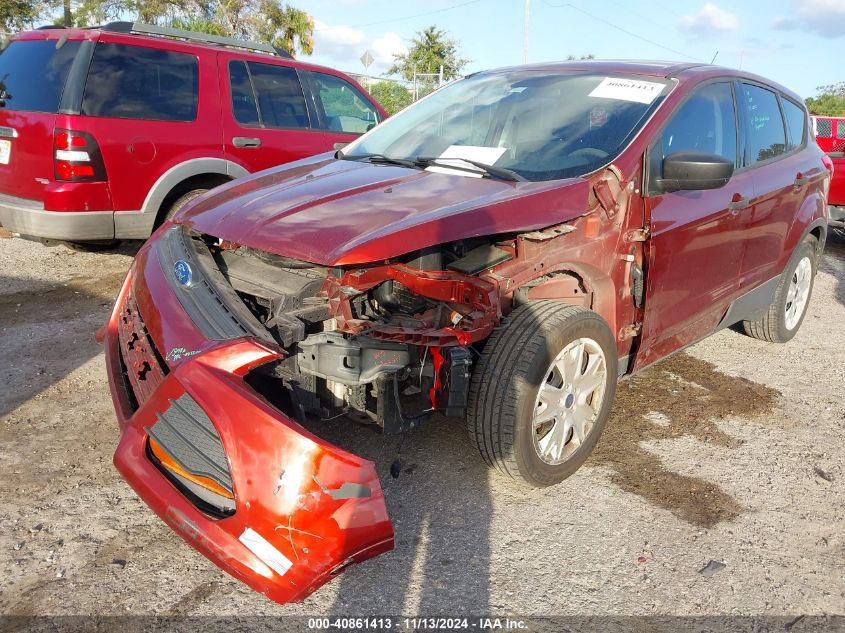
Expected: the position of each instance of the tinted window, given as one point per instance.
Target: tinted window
(766, 138)
(796, 123)
(243, 99)
(280, 99)
(33, 74)
(705, 123)
(345, 108)
(133, 82)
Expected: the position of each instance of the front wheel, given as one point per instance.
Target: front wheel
(542, 391)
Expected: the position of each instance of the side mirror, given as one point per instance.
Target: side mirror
(693, 171)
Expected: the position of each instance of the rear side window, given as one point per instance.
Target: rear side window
(796, 123)
(243, 99)
(33, 74)
(345, 108)
(766, 137)
(277, 91)
(133, 82)
(705, 123)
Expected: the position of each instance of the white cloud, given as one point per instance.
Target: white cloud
(345, 45)
(386, 46)
(709, 19)
(823, 17)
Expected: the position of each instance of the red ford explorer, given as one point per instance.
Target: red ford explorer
(503, 251)
(105, 132)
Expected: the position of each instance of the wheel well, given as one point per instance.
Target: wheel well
(820, 234)
(200, 181)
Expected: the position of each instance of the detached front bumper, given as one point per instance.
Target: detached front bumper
(303, 509)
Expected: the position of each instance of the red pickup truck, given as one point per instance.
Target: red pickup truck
(830, 135)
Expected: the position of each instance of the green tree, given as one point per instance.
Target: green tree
(17, 14)
(829, 100)
(429, 50)
(269, 21)
(391, 95)
(287, 27)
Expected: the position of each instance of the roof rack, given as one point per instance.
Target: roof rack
(165, 31)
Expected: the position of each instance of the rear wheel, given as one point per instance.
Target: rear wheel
(542, 391)
(97, 246)
(791, 298)
(181, 201)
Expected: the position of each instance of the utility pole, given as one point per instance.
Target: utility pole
(525, 33)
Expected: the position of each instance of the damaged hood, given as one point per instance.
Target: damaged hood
(339, 212)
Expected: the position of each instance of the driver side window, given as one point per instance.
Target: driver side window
(266, 95)
(705, 123)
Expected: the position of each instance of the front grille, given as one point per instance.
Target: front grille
(207, 297)
(188, 437)
(144, 368)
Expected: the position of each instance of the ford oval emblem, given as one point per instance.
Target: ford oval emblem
(182, 271)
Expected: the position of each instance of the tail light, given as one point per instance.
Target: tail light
(828, 162)
(77, 157)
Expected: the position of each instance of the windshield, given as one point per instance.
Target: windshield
(540, 125)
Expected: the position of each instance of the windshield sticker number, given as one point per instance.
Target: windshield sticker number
(627, 90)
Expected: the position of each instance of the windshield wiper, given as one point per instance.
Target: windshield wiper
(381, 158)
(491, 170)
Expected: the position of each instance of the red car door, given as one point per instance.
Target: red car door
(344, 111)
(696, 240)
(782, 175)
(266, 120)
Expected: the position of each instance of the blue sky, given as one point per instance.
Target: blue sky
(799, 43)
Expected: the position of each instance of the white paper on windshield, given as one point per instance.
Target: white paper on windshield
(627, 90)
(487, 155)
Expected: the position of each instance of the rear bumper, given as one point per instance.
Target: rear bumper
(288, 484)
(836, 215)
(29, 218)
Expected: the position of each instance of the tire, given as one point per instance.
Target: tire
(180, 202)
(778, 325)
(98, 246)
(507, 380)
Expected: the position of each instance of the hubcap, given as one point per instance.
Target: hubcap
(798, 292)
(569, 400)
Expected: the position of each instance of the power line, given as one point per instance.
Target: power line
(406, 17)
(619, 28)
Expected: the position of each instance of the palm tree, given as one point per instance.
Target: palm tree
(428, 51)
(297, 28)
(287, 27)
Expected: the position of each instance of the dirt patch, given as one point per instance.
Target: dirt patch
(58, 302)
(681, 396)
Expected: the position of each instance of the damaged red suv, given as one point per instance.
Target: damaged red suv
(503, 251)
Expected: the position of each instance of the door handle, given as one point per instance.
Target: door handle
(738, 202)
(246, 141)
(801, 180)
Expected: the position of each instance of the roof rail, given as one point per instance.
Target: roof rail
(165, 31)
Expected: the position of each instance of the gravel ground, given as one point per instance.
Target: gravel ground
(730, 452)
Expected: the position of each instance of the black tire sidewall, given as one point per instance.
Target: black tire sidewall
(182, 200)
(581, 325)
(806, 249)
